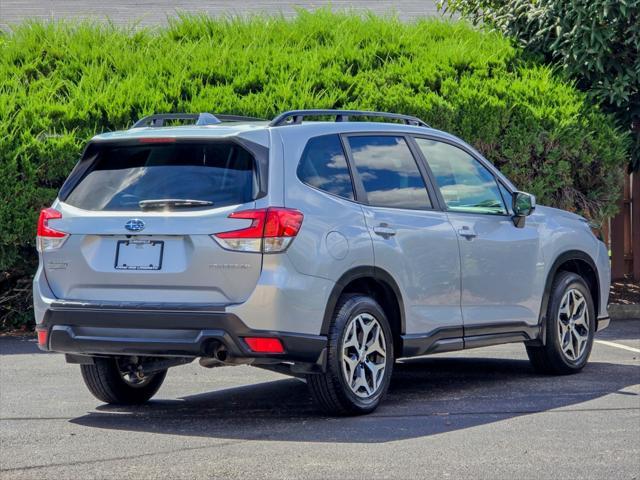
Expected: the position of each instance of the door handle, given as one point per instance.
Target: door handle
(467, 232)
(384, 230)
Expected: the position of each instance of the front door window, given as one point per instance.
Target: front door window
(465, 184)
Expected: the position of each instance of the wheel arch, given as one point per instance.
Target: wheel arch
(575, 261)
(377, 283)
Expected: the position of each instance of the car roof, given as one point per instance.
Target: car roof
(184, 131)
(226, 129)
(220, 125)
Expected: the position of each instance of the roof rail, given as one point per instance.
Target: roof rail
(238, 118)
(205, 118)
(294, 117)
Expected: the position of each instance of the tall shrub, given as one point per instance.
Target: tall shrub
(595, 42)
(60, 83)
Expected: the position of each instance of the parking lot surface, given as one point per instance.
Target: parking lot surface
(155, 12)
(475, 414)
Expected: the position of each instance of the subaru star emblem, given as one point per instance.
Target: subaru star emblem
(134, 225)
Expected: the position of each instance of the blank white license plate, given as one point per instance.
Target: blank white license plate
(139, 255)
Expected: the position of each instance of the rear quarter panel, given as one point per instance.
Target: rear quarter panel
(294, 289)
(334, 237)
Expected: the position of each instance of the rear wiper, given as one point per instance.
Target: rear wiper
(174, 203)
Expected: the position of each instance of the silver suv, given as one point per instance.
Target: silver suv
(322, 249)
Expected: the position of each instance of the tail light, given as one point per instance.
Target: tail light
(42, 338)
(49, 238)
(271, 230)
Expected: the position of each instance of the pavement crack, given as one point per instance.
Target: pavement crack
(125, 457)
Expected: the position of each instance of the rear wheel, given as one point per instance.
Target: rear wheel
(359, 361)
(113, 382)
(570, 328)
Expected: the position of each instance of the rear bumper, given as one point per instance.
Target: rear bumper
(100, 330)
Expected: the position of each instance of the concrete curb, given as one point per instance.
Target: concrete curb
(619, 311)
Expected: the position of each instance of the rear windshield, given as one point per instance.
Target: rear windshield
(119, 177)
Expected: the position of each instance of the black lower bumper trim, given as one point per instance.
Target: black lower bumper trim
(166, 333)
(447, 339)
(602, 323)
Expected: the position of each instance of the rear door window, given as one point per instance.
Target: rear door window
(323, 165)
(389, 172)
(120, 177)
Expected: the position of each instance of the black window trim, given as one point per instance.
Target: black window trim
(326, 192)
(485, 163)
(433, 192)
(361, 194)
(508, 189)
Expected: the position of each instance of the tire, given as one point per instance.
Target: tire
(331, 390)
(106, 382)
(567, 348)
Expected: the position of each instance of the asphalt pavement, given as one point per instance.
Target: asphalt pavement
(156, 12)
(476, 414)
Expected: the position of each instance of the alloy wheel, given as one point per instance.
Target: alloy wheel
(364, 355)
(573, 324)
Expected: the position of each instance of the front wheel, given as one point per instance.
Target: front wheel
(359, 361)
(111, 382)
(570, 328)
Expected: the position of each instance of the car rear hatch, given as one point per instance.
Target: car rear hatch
(137, 218)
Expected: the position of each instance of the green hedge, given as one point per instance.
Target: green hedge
(61, 83)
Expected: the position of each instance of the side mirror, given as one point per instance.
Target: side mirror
(523, 205)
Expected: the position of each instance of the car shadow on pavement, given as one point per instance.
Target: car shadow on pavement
(19, 344)
(428, 396)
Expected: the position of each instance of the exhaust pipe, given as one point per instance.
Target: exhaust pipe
(217, 355)
(221, 353)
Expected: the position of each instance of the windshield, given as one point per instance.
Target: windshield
(189, 174)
